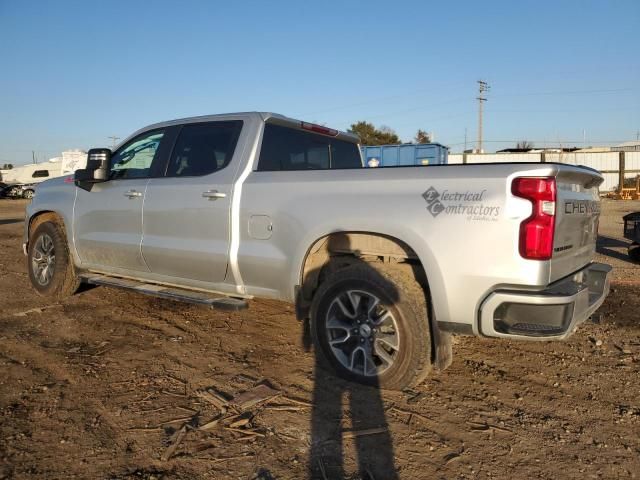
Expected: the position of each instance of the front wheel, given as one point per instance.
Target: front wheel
(28, 193)
(51, 270)
(370, 322)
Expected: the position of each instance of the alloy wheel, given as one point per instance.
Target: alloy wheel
(362, 333)
(43, 259)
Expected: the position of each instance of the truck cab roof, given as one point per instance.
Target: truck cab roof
(269, 117)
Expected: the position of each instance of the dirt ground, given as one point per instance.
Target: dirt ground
(115, 385)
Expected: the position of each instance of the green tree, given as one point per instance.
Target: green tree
(422, 136)
(370, 135)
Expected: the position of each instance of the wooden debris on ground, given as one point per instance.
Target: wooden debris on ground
(215, 398)
(450, 457)
(175, 443)
(297, 401)
(252, 433)
(234, 415)
(283, 408)
(254, 396)
(212, 423)
(241, 420)
(482, 427)
(236, 457)
(361, 433)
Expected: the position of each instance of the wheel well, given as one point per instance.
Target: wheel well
(42, 217)
(339, 249)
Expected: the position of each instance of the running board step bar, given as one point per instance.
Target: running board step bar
(212, 300)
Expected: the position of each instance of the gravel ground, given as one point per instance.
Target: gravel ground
(107, 383)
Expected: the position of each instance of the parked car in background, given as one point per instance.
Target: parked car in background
(28, 191)
(18, 191)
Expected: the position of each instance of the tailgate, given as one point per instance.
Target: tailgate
(577, 215)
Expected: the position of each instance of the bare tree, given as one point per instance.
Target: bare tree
(524, 145)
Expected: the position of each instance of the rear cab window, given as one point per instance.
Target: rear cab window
(289, 149)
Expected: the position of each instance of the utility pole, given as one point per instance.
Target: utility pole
(465, 139)
(33, 156)
(114, 139)
(483, 87)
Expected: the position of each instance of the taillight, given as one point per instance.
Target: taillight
(536, 232)
(312, 127)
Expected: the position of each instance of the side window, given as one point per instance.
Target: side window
(40, 174)
(134, 160)
(204, 148)
(290, 149)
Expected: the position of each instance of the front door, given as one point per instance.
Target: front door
(186, 213)
(108, 219)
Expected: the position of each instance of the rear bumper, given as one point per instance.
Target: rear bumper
(550, 314)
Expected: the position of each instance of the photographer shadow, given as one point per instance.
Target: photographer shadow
(344, 411)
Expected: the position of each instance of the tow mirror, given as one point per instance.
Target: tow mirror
(97, 170)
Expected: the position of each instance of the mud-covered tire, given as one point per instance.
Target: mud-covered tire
(402, 297)
(634, 252)
(61, 281)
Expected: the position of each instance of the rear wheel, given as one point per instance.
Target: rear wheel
(634, 251)
(50, 267)
(370, 323)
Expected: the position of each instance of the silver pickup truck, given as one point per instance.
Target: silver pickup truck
(386, 263)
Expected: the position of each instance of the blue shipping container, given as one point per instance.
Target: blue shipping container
(402, 155)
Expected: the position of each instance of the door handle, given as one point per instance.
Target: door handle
(132, 193)
(213, 194)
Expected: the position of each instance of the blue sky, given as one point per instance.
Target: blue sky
(73, 73)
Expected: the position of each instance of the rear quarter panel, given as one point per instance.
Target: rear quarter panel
(462, 222)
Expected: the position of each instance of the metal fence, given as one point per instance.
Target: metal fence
(614, 166)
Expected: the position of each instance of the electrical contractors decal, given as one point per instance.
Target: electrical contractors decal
(469, 204)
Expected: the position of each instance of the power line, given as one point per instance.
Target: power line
(571, 92)
(523, 94)
(542, 141)
(422, 107)
(368, 101)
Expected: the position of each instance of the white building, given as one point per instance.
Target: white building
(633, 146)
(67, 163)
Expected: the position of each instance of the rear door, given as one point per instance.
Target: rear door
(577, 215)
(108, 219)
(186, 232)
